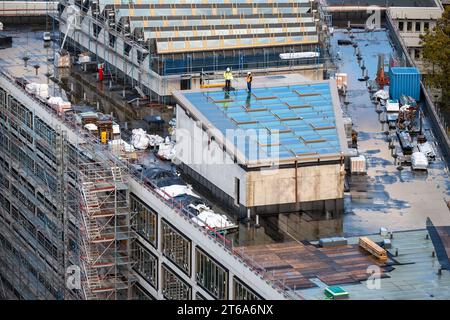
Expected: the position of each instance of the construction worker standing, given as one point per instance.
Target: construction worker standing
(228, 75)
(249, 81)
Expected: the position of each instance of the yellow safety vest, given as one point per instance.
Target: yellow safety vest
(228, 75)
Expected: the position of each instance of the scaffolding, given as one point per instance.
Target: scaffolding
(33, 191)
(105, 232)
(60, 208)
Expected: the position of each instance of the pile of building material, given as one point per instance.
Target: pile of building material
(84, 58)
(37, 89)
(427, 149)
(58, 104)
(92, 128)
(358, 165)
(118, 146)
(207, 217)
(139, 139)
(419, 161)
(166, 150)
(175, 190)
(62, 60)
(392, 106)
(154, 140)
(382, 96)
(333, 242)
(341, 82)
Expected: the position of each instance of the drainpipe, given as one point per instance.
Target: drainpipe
(296, 183)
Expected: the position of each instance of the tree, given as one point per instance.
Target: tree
(436, 54)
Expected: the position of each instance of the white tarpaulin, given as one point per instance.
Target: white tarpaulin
(120, 145)
(91, 127)
(167, 150)
(139, 139)
(175, 190)
(154, 140)
(381, 94)
(208, 217)
(358, 164)
(419, 161)
(298, 55)
(392, 106)
(38, 89)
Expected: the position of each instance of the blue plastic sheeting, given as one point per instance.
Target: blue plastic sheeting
(278, 122)
(404, 81)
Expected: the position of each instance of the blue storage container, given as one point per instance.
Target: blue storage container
(404, 80)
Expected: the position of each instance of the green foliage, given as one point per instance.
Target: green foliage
(436, 54)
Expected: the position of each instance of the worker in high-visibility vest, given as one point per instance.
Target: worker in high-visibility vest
(228, 76)
(249, 80)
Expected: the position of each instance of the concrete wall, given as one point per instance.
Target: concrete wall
(314, 183)
(257, 188)
(302, 226)
(203, 240)
(207, 158)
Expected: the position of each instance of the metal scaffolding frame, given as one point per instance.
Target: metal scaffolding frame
(45, 176)
(22, 225)
(105, 231)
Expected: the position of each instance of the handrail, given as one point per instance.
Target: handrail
(93, 144)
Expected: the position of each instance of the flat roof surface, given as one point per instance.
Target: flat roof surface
(287, 121)
(297, 264)
(413, 274)
(382, 3)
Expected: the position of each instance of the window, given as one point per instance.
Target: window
(176, 247)
(237, 191)
(409, 26)
(426, 26)
(198, 296)
(243, 292)
(418, 27)
(112, 40)
(139, 293)
(416, 53)
(145, 220)
(211, 276)
(145, 263)
(174, 288)
(401, 25)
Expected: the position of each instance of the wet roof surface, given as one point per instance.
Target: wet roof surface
(289, 121)
(386, 197)
(414, 273)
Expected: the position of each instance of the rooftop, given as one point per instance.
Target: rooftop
(413, 273)
(214, 25)
(299, 121)
(382, 3)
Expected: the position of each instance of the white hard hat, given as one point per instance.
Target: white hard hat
(249, 72)
(228, 69)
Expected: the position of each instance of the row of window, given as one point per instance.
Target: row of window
(413, 26)
(24, 263)
(210, 275)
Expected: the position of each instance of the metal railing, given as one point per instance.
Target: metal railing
(90, 143)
